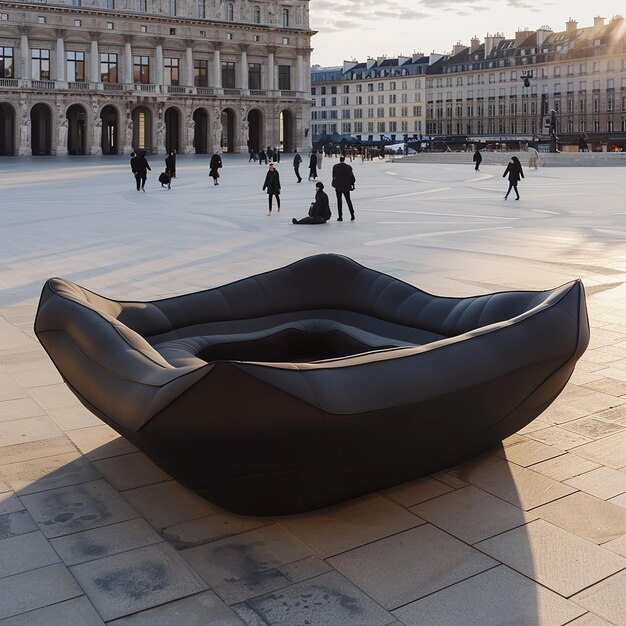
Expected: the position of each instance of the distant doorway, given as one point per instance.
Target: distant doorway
(286, 131)
(41, 130)
(228, 130)
(77, 123)
(201, 131)
(142, 129)
(172, 130)
(109, 139)
(7, 130)
(255, 127)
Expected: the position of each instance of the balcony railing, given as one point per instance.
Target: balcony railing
(8, 82)
(42, 84)
(177, 90)
(79, 86)
(288, 93)
(232, 92)
(146, 88)
(114, 87)
(258, 92)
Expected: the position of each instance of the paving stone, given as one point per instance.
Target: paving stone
(73, 417)
(25, 552)
(558, 412)
(588, 619)
(100, 542)
(617, 545)
(520, 486)
(351, 524)
(245, 555)
(563, 467)
(606, 599)
(527, 452)
(593, 428)
(428, 558)
(619, 500)
(48, 473)
(554, 558)
(328, 600)
(614, 414)
(39, 377)
(586, 516)
(492, 598)
(16, 523)
(53, 396)
(596, 401)
(559, 437)
(76, 612)
(19, 409)
(169, 503)
(35, 589)
(80, 507)
(130, 471)
(609, 451)
(9, 503)
(416, 491)
(136, 580)
(471, 514)
(27, 429)
(306, 568)
(100, 442)
(603, 482)
(202, 609)
(35, 450)
(448, 479)
(252, 586)
(204, 529)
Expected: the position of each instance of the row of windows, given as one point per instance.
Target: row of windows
(368, 128)
(494, 126)
(358, 88)
(75, 66)
(345, 100)
(358, 113)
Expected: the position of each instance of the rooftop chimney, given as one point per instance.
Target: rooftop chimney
(458, 47)
(474, 44)
(491, 42)
(571, 26)
(370, 63)
(348, 65)
(416, 56)
(542, 35)
(598, 21)
(521, 36)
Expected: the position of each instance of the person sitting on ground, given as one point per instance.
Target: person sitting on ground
(319, 213)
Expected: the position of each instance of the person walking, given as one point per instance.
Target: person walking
(478, 159)
(272, 184)
(134, 163)
(170, 163)
(140, 169)
(515, 172)
(297, 159)
(343, 182)
(319, 213)
(214, 167)
(313, 165)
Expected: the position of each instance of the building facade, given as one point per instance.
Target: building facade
(496, 90)
(109, 76)
(506, 88)
(379, 97)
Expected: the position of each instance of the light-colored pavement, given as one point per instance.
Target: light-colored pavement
(92, 532)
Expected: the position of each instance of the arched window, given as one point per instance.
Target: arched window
(257, 14)
(285, 17)
(230, 12)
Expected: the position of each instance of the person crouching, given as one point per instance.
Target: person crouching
(319, 213)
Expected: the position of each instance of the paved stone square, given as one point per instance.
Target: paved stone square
(92, 532)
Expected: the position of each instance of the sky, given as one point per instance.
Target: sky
(358, 29)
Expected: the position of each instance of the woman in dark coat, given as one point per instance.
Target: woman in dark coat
(477, 158)
(515, 172)
(313, 165)
(141, 170)
(170, 164)
(214, 166)
(319, 213)
(272, 184)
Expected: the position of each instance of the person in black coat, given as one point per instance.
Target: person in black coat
(319, 213)
(297, 159)
(139, 165)
(313, 165)
(170, 164)
(272, 184)
(214, 167)
(343, 182)
(477, 158)
(515, 172)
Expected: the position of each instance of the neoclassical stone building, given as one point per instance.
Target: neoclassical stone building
(107, 76)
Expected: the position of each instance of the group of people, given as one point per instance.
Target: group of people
(343, 181)
(139, 166)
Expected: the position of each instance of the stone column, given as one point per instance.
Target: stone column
(128, 60)
(188, 63)
(60, 73)
(270, 68)
(217, 66)
(94, 74)
(158, 62)
(24, 70)
(243, 74)
(300, 70)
